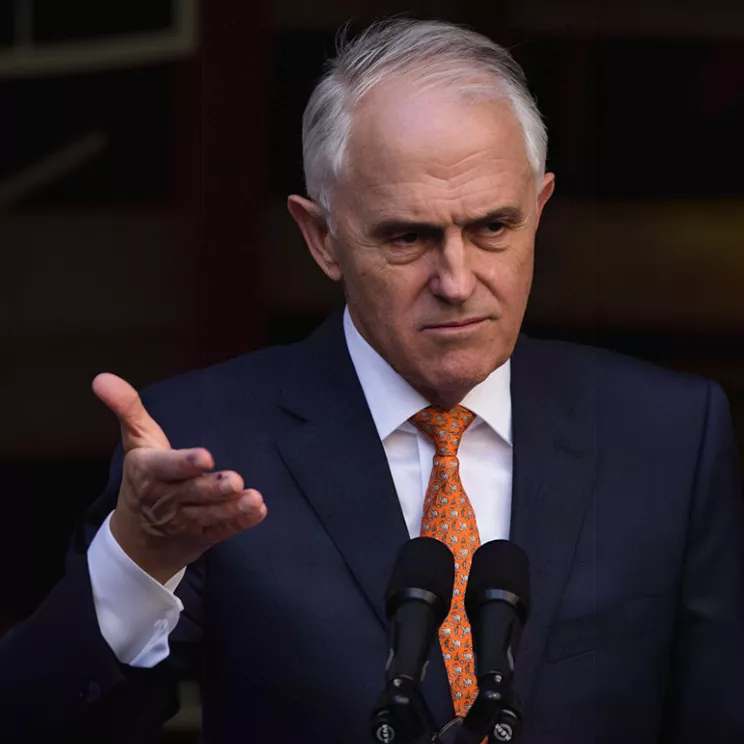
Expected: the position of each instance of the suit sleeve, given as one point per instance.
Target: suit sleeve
(58, 676)
(705, 700)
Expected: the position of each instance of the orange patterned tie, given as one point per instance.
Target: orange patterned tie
(449, 517)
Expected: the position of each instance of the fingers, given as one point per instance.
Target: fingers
(183, 482)
(174, 487)
(208, 521)
(138, 428)
(212, 488)
(217, 501)
(170, 466)
(221, 521)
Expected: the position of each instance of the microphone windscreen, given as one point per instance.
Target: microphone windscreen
(499, 564)
(422, 563)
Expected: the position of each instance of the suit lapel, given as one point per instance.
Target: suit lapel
(339, 463)
(554, 464)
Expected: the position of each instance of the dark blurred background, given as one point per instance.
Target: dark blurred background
(146, 151)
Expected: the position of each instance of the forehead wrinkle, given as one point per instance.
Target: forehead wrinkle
(495, 178)
(463, 163)
(418, 171)
(440, 199)
(484, 171)
(431, 165)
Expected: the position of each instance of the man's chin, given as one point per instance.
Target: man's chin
(461, 368)
(449, 389)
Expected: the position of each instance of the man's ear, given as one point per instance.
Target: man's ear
(315, 230)
(546, 191)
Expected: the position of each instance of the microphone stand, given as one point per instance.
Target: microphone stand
(495, 713)
(400, 716)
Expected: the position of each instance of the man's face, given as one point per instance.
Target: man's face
(435, 221)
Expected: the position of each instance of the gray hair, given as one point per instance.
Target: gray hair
(437, 53)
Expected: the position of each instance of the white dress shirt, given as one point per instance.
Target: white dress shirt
(485, 451)
(136, 613)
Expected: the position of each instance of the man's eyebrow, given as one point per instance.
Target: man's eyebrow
(401, 226)
(386, 227)
(507, 215)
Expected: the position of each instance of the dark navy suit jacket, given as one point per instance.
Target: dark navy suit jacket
(626, 498)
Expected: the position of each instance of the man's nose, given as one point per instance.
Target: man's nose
(453, 278)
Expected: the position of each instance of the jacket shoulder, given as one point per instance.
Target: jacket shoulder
(260, 366)
(621, 377)
(245, 388)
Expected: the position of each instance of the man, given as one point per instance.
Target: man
(424, 158)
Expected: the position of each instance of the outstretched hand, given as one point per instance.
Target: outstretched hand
(171, 508)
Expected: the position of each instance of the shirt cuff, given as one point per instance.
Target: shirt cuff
(136, 613)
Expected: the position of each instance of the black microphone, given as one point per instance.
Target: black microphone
(497, 605)
(417, 601)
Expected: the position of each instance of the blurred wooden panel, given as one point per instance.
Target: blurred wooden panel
(661, 18)
(331, 14)
(230, 86)
(645, 266)
(83, 271)
(87, 291)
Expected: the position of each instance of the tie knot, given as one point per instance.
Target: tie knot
(443, 426)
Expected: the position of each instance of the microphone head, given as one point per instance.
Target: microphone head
(424, 569)
(498, 566)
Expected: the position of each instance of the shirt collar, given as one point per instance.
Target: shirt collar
(392, 401)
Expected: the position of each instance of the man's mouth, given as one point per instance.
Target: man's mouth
(454, 326)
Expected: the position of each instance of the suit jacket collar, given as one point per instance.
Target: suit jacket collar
(339, 464)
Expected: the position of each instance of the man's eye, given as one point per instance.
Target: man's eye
(494, 227)
(406, 239)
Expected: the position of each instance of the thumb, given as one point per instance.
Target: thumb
(138, 428)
